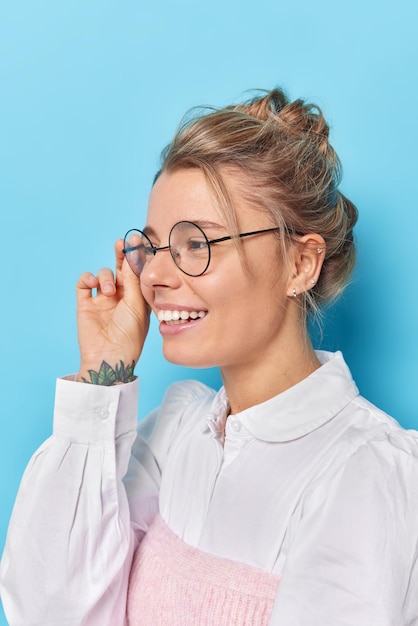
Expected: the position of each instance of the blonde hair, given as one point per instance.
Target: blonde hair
(289, 170)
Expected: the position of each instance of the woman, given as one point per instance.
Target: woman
(285, 498)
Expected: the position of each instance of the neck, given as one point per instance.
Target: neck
(249, 384)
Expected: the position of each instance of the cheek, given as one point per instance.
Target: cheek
(226, 287)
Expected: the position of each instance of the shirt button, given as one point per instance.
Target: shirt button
(236, 426)
(102, 413)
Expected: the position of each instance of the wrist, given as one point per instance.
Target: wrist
(107, 374)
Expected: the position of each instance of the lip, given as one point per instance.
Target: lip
(176, 307)
(167, 329)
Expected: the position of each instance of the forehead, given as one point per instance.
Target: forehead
(185, 194)
(181, 195)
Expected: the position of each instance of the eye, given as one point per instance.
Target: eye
(196, 245)
(149, 249)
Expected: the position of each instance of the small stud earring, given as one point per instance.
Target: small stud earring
(319, 250)
(294, 292)
(313, 281)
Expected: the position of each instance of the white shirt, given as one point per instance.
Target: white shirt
(315, 485)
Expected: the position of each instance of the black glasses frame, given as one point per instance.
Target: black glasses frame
(209, 242)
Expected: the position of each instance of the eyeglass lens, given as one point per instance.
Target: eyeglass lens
(188, 245)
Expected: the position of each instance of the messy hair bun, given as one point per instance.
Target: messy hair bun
(289, 170)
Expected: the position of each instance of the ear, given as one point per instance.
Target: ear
(308, 257)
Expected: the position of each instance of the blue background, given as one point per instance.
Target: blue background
(90, 93)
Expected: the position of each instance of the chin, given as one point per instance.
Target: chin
(195, 361)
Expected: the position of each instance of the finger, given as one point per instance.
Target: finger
(106, 282)
(119, 254)
(124, 274)
(129, 281)
(85, 284)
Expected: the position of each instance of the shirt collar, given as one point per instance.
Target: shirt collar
(297, 411)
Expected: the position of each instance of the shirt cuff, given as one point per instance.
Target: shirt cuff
(86, 413)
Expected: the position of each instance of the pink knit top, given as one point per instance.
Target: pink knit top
(173, 584)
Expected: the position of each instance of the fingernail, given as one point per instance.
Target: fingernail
(108, 287)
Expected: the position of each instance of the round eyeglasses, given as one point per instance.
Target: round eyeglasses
(189, 247)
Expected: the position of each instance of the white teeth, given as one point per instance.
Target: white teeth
(176, 316)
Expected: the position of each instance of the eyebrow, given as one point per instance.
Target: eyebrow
(203, 224)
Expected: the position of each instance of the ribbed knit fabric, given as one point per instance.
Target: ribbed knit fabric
(174, 584)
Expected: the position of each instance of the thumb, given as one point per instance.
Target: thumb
(126, 279)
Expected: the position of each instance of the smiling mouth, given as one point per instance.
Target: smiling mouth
(179, 317)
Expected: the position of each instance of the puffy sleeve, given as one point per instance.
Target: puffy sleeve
(86, 499)
(70, 542)
(352, 555)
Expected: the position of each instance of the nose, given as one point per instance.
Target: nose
(161, 271)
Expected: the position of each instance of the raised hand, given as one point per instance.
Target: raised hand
(112, 325)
